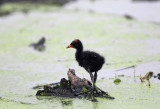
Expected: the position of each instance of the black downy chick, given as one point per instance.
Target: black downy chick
(89, 60)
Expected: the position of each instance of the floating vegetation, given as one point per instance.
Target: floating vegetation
(157, 76)
(120, 75)
(117, 81)
(147, 77)
(75, 87)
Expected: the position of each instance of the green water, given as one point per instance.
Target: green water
(121, 42)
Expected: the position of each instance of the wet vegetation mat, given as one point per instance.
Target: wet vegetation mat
(75, 87)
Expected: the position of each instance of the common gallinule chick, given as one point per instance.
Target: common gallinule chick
(91, 61)
(39, 45)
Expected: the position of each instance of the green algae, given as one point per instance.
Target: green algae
(84, 89)
(117, 81)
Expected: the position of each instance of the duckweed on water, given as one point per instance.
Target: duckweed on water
(117, 81)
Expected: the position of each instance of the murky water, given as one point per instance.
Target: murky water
(141, 10)
(122, 42)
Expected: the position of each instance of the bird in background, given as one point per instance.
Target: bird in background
(91, 61)
(39, 46)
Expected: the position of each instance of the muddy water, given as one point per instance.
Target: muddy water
(122, 42)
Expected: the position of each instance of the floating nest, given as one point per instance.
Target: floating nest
(74, 87)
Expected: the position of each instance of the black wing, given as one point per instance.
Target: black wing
(92, 61)
(89, 58)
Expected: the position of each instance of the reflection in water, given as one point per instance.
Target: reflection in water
(95, 105)
(64, 101)
(44, 97)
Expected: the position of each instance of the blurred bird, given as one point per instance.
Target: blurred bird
(39, 45)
